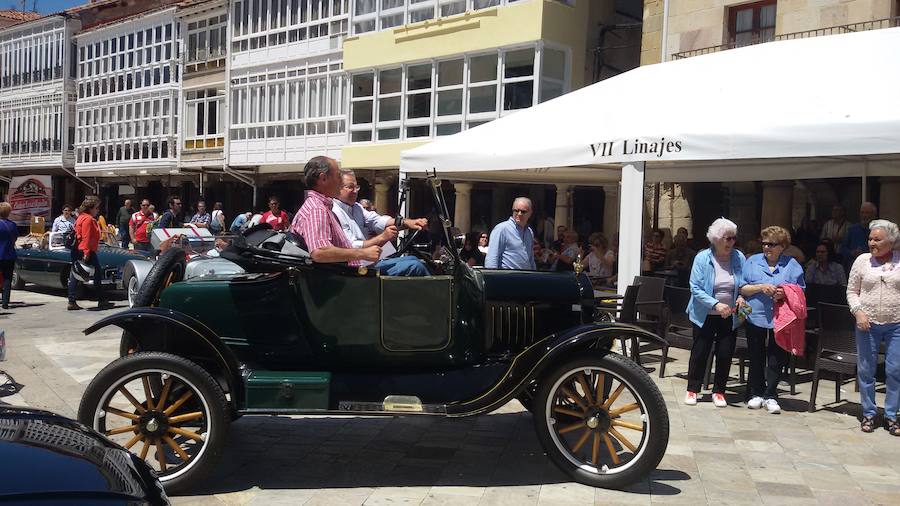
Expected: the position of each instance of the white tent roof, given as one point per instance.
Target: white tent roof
(833, 98)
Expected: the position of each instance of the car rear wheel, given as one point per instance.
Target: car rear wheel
(602, 420)
(17, 282)
(132, 286)
(163, 408)
(168, 268)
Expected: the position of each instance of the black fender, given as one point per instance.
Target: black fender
(534, 360)
(161, 329)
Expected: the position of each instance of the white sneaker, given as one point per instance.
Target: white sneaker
(719, 401)
(690, 398)
(772, 406)
(756, 402)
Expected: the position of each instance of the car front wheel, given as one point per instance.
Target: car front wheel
(602, 420)
(132, 286)
(163, 408)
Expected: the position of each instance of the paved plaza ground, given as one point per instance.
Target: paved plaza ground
(715, 456)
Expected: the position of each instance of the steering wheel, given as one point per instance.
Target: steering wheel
(407, 245)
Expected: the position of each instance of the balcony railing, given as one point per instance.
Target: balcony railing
(831, 30)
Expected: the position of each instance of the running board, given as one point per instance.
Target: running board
(399, 404)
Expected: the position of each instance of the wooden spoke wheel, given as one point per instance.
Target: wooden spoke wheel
(163, 408)
(602, 420)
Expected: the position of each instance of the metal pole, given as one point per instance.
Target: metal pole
(665, 31)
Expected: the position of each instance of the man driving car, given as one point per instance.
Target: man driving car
(318, 223)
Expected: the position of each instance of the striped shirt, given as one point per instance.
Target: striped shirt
(317, 224)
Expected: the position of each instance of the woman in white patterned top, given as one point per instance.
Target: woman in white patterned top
(873, 293)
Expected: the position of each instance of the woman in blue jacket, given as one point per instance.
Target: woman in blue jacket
(764, 275)
(716, 279)
(8, 235)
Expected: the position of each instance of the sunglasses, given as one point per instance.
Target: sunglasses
(520, 211)
(351, 187)
(767, 244)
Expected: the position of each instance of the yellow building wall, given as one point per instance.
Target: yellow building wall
(696, 24)
(568, 26)
(375, 156)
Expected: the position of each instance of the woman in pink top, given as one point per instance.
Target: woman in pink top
(873, 293)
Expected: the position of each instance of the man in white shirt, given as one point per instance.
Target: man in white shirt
(367, 228)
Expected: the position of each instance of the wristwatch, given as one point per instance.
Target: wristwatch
(399, 223)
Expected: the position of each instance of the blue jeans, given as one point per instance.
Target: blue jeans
(867, 345)
(94, 261)
(402, 266)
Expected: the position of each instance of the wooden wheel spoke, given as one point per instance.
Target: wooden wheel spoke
(583, 439)
(615, 395)
(164, 394)
(123, 414)
(612, 451)
(181, 453)
(177, 404)
(121, 430)
(575, 397)
(570, 428)
(144, 449)
(595, 450)
(622, 439)
(566, 411)
(599, 387)
(133, 441)
(147, 393)
(613, 413)
(187, 417)
(160, 456)
(137, 405)
(627, 425)
(585, 387)
(186, 433)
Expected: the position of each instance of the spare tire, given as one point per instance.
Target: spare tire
(168, 268)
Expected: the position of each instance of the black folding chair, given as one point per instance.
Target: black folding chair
(836, 350)
(632, 312)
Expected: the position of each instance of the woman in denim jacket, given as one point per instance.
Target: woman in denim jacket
(716, 279)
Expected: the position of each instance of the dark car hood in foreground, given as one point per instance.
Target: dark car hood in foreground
(49, 458)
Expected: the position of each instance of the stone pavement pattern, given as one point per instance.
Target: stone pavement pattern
(715, 456)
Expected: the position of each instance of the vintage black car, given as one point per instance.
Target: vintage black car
(294, 337)
(49, 459)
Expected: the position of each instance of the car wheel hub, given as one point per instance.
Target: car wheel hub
(598, 420)
(154, 423)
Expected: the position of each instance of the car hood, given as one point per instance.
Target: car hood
(548, 287)
(51, 457)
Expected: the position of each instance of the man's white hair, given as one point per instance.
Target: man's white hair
(719, 228)
(890, 229)
(523, 199)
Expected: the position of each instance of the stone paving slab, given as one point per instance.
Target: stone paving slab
(715, 456)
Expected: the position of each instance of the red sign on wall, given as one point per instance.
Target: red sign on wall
(30, 196)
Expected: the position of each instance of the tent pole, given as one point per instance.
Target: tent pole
(865, 171)
(631, 215)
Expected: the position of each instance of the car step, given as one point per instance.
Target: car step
(394, 404)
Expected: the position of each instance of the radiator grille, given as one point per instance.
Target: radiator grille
(512, 324)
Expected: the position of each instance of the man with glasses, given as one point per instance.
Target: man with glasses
(137, 227)
(367, 228)
(172, 217)
(275, 216)
(510, 245)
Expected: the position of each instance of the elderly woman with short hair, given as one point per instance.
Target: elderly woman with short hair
(765, 275)
(716, 278)
(873, 292)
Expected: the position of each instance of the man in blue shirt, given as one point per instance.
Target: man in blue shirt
(857, 240)
(511, 242)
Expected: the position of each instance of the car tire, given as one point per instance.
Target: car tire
(17, 282)
(132, 286)
(168, 268)
(606, 440)
(163, 417)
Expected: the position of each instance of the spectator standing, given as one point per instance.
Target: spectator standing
(137, 227)
(510, 244)
(87, 232)
(681, 257)
(655, 252)
(8, 235)
(557, 245)
(367, 205)
(836, 228)
(172, 217)
(765, 275)
(470, 252)
(217, 224)
(65, 222)
(239, 222)
(873, 293)
(823, 270)
(122, 219)
(201, 218)
(541, 256)
(856, 241)
(275, 217)
(569, 251)
(716, 278)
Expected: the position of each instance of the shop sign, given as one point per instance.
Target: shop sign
(30, 196)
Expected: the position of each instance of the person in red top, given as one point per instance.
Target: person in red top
(655, 251)
(137, 227)
(87, 232)
(275, 216)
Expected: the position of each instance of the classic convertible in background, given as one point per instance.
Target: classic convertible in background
(47, 263)
(295, 337)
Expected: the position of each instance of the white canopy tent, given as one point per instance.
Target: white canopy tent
(806, 108)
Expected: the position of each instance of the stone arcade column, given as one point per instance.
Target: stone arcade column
(777, 203)
(563, 206)
(889, 203)
(462, 213)
(610, 210)
(382, 187)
